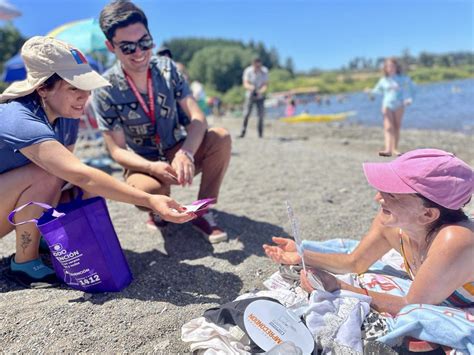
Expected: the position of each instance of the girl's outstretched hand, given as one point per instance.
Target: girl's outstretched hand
(284, 252)
(170, 210)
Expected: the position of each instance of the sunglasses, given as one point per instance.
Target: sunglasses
(131, 47)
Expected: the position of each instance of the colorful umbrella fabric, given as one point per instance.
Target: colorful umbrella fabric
(85, 35)
(14, 69)
(8, 11)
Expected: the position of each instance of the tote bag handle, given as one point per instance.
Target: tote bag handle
(34, 220)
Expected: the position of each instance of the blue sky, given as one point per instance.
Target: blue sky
(316, 33)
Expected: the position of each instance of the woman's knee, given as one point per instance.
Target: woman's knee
(46, 181)
(399, 116)
(389, 129)
(39, 180)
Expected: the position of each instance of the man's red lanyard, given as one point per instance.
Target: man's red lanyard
(150, 111)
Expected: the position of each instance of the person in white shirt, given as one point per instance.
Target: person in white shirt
(255, 81)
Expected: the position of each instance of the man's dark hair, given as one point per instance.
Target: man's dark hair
(118, 14)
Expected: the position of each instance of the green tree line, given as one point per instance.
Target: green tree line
(408, 61)
(219, 63)
(11, 41)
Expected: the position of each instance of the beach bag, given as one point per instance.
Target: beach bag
(85, 250)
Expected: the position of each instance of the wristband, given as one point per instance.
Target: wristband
(188, 154)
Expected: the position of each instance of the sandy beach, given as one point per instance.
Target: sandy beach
(177, 275)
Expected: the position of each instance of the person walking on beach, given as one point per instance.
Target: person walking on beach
(139, 120)
(398, 92)
(255, 81)
(39, 122)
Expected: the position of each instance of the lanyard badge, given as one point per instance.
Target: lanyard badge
(150, 108)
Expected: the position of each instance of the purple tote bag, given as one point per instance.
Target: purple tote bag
(85, 250)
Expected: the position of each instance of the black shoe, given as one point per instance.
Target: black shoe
(25, 280)
(241, 135)
(43, 246)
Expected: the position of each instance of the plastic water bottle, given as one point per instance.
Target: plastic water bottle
(285, 348)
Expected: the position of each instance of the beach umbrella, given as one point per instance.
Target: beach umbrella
(14, 68)
(8, 11)
(85, 35)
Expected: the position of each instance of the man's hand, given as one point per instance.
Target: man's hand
(184, 168)
(249, 86)
(170, 210)
(163, 172)
(284, 252)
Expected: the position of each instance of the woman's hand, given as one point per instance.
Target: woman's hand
(284, 252)
(169, 209)
(329, 281)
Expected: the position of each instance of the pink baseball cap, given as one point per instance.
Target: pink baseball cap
(435, 174)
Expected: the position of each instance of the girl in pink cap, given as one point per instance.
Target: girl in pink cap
(421, 195)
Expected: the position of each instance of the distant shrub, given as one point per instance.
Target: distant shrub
(450, 76)
(3, 86)
(234, 96)
(329, 78)
(347, 79)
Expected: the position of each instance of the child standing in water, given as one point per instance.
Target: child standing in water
(290, 109)
(398, 91)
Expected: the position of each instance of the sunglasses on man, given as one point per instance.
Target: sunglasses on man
(145, 44)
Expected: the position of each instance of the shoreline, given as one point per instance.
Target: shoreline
(447, 109)
(177, 276)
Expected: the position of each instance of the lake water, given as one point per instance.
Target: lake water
(446, 105)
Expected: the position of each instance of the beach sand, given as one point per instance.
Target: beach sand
(317, 167)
